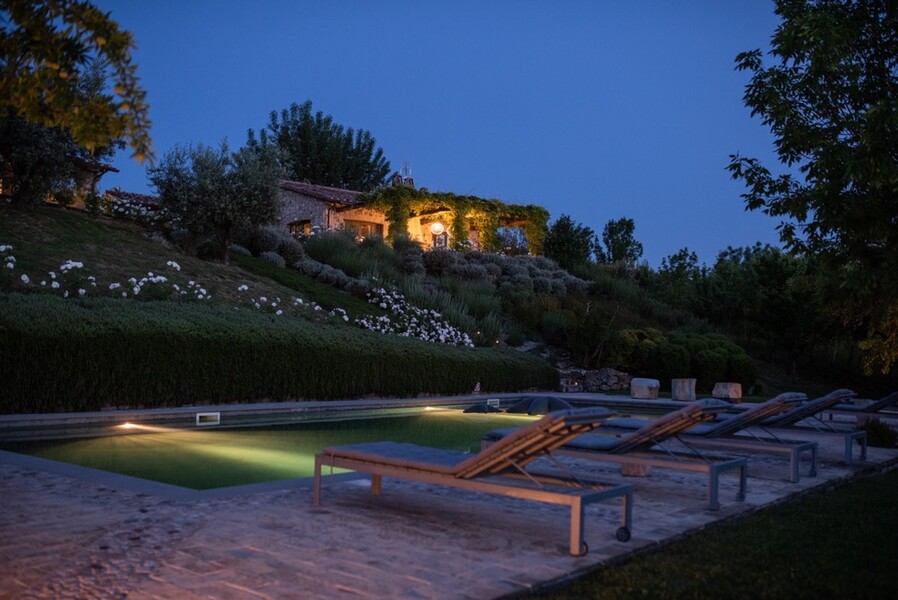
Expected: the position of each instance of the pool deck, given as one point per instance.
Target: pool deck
(70, 532)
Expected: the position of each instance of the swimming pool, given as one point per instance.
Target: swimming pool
(203, 459)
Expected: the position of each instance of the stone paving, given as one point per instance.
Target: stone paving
(74, 533)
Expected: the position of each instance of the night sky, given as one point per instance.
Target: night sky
(598, 110)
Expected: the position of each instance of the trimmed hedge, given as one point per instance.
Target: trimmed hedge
(81, 355)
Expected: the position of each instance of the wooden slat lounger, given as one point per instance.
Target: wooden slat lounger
(500, 469)
(720, 434)
(636, 447)
(804, 422)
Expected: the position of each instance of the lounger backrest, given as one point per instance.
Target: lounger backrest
(528, 443)
(808, 409)
(754, 415)
(882, 403)
(669, 425)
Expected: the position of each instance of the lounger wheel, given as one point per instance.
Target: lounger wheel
(623, 534)
(584, 549)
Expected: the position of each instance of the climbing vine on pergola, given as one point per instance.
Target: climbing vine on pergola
(400, 203)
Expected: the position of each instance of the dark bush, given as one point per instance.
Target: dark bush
(264, 239)
(709, 367)
(290, 250)
(412, 261)
(879, 434)
(274, 258)
(438, 262)
(742, 369)
(666, 361)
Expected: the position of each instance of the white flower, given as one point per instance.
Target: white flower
(124, 294)
(279, 312)
(263, 299)
(55, 285)
(174, 265)
(52, 275)
(25, 278)
(66, 294)
(43, 282)
(113, 286)
(91, 278)
(136, 289)
(5, 247)
(81, 291)
(242, 288)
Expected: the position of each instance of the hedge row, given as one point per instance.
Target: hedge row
(80, 355)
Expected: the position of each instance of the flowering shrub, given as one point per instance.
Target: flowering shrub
(6, 257)
(406, 320)
(142, 213)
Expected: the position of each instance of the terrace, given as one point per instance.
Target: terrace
(74, 531)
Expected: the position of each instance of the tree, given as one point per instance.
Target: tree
(830, 98)
(621, 246)
(214, 191)
(313, 147)
(35, 161)
(45, 46)
(38, 162)
(569, 244)
(679, 278)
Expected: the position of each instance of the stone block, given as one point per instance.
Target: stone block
(727, 391)
(644, 388)
(635, 470)
(682, 389)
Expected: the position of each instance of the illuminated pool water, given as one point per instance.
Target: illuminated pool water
(212, 458)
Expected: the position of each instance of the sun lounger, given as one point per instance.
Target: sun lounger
(721, 433)
(805, 422)
(862, 411)
(635, 448)
(500, 469)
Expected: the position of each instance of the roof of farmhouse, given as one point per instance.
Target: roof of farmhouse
(322, 192)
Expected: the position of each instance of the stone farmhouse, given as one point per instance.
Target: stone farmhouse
(307, 208)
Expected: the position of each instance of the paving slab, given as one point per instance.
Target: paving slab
(64, 534)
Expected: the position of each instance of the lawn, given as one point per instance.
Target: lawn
(115, 250)
(836, 543)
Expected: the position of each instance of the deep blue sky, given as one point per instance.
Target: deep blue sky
(598, 110)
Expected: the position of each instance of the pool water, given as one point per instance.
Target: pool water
(212, 458)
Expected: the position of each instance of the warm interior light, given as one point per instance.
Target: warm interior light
(436, 228)
(129, 426)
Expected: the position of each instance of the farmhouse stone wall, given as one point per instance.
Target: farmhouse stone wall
(299, 207)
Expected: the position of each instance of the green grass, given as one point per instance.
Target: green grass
(837, 543)
(114, 250)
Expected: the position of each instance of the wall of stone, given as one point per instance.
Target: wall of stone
(299, 207)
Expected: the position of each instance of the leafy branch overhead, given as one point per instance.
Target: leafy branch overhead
(45, 47)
